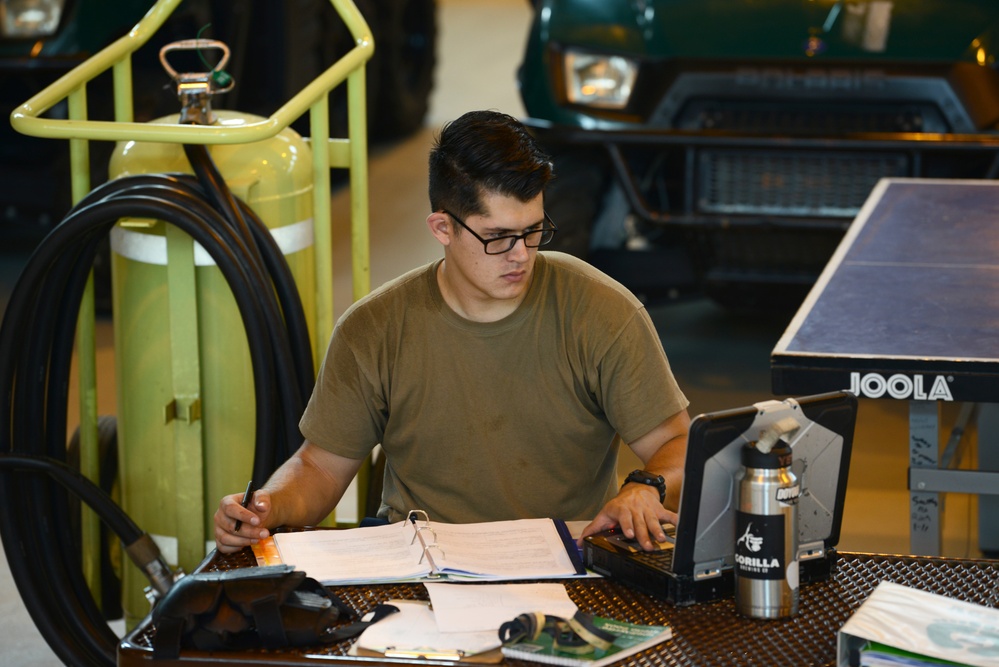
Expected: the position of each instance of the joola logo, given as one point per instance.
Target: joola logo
(875, 385)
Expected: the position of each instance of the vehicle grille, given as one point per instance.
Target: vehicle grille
(803, 120)
(797, 183)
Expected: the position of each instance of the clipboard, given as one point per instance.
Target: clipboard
(491, 657)
(412, 634)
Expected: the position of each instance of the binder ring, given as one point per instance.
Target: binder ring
(416, 533)
(429, 559)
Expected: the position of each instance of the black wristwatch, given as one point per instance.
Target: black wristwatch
(646, 477)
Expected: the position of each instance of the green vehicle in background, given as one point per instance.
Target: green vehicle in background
(722, 147)
(278, 47)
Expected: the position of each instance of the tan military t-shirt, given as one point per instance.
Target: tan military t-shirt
(499, 420)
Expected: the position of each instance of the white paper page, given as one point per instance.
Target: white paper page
(359, 554)
(518, 549)
(464, 607)
(413, 628)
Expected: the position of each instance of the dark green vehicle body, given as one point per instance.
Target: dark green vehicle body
(754, 129)
(278, 47)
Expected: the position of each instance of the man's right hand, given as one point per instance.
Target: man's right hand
(252, 518)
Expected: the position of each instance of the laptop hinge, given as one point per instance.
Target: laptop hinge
(704, 571)
(811, 551)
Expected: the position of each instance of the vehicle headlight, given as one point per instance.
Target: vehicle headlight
(598, 80)
(30, 18)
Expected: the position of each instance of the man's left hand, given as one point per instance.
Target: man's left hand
(636, 510)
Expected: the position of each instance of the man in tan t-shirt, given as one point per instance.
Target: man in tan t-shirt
(498, 380)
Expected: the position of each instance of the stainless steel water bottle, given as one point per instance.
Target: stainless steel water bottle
(766, 535)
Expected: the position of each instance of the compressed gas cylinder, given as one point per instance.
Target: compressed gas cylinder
(186, 413)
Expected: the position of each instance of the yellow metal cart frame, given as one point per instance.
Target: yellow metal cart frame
(346, 153)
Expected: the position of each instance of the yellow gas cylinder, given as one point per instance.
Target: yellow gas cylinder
(186, 411)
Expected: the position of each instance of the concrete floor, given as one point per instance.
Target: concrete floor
(721, 361)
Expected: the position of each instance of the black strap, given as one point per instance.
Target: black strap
(356, 628)
(267, 618)
(166, 641)
(577, 635)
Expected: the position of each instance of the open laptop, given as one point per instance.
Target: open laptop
(695, 564)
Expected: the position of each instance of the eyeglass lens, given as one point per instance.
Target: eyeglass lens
(532, 239)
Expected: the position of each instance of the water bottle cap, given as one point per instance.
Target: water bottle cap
(778, 457)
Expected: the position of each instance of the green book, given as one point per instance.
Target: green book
(882, 655)
(629, 639)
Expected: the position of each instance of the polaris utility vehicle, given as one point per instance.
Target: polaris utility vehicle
(722, 147)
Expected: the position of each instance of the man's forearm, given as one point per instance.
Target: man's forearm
(663, 451)
(668, 462)
(306, 488)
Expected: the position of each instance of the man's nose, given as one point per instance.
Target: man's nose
(519, 251)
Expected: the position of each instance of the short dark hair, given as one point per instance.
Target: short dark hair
(485, 152)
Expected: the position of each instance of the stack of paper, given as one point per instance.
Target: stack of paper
(463, 624)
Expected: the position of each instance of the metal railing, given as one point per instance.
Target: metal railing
(340, 152)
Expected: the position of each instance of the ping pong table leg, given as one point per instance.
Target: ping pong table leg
(988, 459)
(924, 507)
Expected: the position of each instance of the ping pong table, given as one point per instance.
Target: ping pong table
(908, 309)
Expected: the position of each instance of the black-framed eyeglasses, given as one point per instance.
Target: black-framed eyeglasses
(498, 245)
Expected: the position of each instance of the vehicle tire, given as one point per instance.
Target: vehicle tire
(110, 556)
(573, 199)
(315, 37)
(404, 63)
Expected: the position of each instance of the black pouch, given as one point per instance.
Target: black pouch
(256, 607)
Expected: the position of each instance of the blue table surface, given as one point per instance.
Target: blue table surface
(917, 276)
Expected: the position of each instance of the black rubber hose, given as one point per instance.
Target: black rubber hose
(77, 617)
(291, 303)
(46, 522)
(69, 610)
(185, 192)
(72, 617)
(63, 552)
(36, 344)
(44, 428)
(277, 269)
(62, 239)
(261, 242)
(269, 336)
(134, 539)
(292, 345)
(257, 238)
(221, 197)
(88, 492)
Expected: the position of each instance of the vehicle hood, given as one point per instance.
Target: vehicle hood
(929, 30)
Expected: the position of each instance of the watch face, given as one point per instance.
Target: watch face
(646, 478)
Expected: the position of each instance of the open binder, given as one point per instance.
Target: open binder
(421, 550)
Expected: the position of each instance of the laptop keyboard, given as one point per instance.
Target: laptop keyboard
(660, 559)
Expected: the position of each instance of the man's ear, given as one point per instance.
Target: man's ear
(440, 226)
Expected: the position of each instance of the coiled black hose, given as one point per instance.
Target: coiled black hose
(36, 344)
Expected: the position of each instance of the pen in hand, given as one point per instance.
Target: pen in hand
(247, 499)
